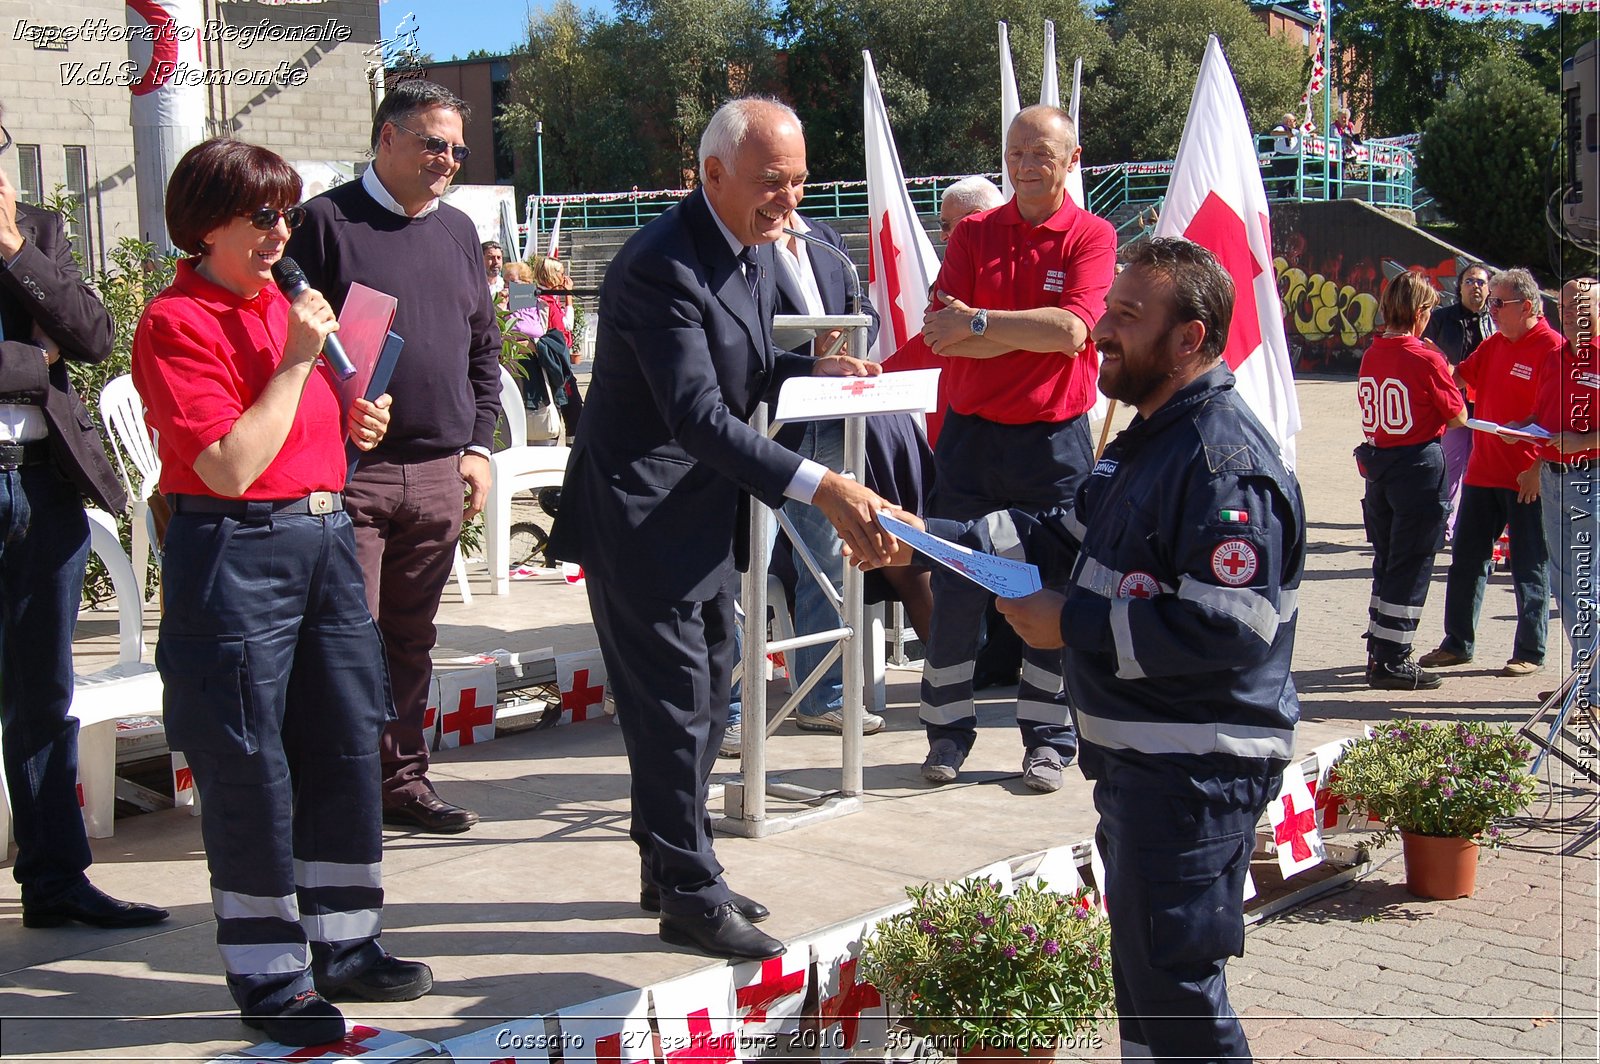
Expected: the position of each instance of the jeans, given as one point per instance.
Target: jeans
(1484, 512)
(44, 543)
(813, 612)
(1570, 530)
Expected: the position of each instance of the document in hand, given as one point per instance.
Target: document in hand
(1006, 578)
(1524, 432)
(825, 398)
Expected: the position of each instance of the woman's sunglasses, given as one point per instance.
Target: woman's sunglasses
(267, 217)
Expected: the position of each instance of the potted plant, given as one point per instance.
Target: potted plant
(1440, 786)
(981, 973)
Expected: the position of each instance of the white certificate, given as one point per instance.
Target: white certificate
(1006, 578)
(1522, 432)
(830, 398)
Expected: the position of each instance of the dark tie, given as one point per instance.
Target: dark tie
(752, 272)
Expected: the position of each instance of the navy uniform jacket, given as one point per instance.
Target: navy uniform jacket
(683, 356)
(1180, 615)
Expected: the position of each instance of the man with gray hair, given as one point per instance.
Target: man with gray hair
(656, 492)
(390, 231)
(1504, 373)
(967, 196)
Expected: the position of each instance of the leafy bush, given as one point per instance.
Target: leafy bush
(1449, 780)
(969, 963)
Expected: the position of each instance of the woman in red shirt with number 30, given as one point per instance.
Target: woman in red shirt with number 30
(1407, 400)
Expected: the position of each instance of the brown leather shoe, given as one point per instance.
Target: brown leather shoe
(429, 812)
(1443, 658)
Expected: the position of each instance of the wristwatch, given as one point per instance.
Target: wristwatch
(979, 322)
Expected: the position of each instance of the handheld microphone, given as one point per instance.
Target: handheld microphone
(291, 282)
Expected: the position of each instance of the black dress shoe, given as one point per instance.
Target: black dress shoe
(749, 908)
(391, 979)
(89, 905)
(429, 812)
(722, 932)
(307, 1020)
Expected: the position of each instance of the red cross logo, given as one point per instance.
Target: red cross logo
(775, 985)
(348, 1046)
(888, 253)
(703, 1047)
(1234, 562)
(858, 388)
(1219, 228)
(1294, 828)
(580, 696)
(1330, 804)
(468, 716)
(844, 1008)
(1138, 585)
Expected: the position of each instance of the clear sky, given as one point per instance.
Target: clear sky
(456, 27)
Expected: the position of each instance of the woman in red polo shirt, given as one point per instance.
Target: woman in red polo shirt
(275, 685)
(1407, 400)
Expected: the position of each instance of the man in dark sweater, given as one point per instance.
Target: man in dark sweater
(389, 231)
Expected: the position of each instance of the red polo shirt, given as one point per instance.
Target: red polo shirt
(997, 261)
(1569, 390)
(1405, 392)
(201, 356)
(1504, 374)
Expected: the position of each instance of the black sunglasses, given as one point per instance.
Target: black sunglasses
(1497, 303)
(438, 145)
(267, 217)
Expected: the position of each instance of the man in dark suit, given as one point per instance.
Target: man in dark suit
(50, 457)
(655, 495)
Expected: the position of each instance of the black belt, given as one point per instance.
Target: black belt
(318, 502)
(15, 455)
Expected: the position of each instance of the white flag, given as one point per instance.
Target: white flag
(1009, 104)
(554, 250)
(1075, 179)
(1050, 87)
(1216, 199)
(1293, 817)
(902, 263)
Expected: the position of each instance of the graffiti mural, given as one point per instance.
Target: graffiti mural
(1334, 260)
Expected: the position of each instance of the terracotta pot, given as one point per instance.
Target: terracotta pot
(1441, 868)
(991, 1054)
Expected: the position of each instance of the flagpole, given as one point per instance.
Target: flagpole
(1105, 429)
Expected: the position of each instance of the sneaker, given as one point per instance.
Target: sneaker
(1443, 658)
(833, 721)
(1518, 667)
(309, 1019)
(1403, 675)
(732, 741)
(944, 760)
(1041, 769)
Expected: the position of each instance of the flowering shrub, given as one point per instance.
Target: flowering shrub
(978, 967)
(1450, 780)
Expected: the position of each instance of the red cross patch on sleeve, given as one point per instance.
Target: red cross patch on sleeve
(1234, 562)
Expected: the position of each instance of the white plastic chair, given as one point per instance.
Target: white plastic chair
(517, 468)
(123, 413)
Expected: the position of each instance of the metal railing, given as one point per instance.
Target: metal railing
(1317, 168)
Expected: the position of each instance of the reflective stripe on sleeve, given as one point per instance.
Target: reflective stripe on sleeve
(1122, 635)
(1003, 538)
(1250, 608)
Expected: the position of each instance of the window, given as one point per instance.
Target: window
(30, 189)
(77, 159)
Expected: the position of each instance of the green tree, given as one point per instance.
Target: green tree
(1544, 46)
(1394, 62)
(1142, 93)
(1484, 154)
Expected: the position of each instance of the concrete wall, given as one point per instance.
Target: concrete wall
(320, 108)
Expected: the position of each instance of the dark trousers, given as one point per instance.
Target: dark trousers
(44, 542)
(407, 518)
(1176, 836)
(983, 467)
(276, 691)
(670, 664)
(1404, 510)
(1484, 512)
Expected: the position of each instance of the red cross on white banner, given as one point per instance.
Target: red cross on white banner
(703, 1046)
(582, 680)
(768, 994)
(855, 1007)
(610, 1030)
(695, 1018)
(1294, 825)
(845, 1007)
(353, 1044)
(582, 695)
(464, 724)
(1332, 812)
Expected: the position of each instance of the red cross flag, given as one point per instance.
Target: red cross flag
(844, 1001)
(1332, 814)
(466, 696)
(1058, 872)
(582, 679)
(768, 996)
(1215, 198)
(901, 261)
(610, 1030)
(695, 1017)
(522, 1041)
(369, 1044)
(430, 715)
(183, 792)
(1294, 825)
(553, 250)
